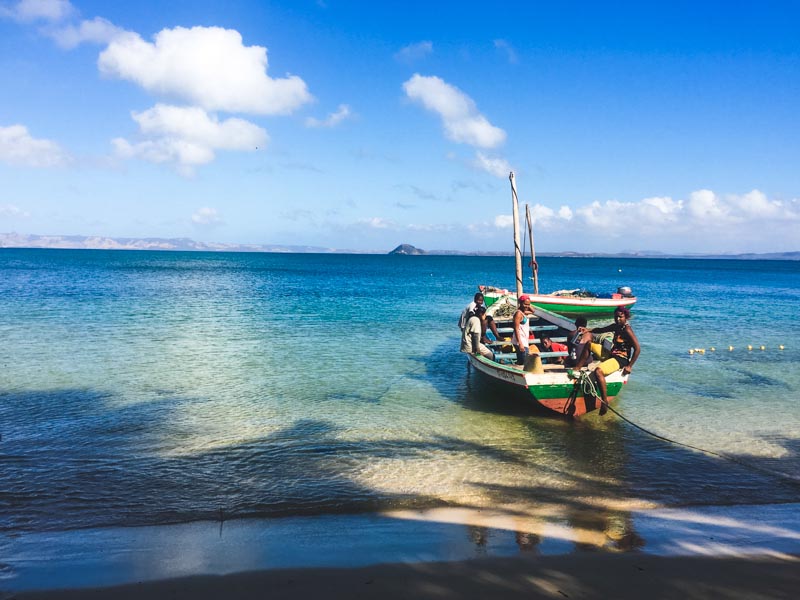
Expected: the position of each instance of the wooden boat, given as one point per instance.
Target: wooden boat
(544, 380)
(553, 386)
(571, 303)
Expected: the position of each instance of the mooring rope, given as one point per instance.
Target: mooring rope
(584, 377)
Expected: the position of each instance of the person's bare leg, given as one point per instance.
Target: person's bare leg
(583, 359)
(601, 385)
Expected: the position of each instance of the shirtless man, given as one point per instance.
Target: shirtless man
(625, 350)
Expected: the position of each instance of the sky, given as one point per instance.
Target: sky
(630, 126)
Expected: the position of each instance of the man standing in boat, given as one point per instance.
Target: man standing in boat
(522, 329)
(624, 351)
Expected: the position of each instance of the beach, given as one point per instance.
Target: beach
(703, 552)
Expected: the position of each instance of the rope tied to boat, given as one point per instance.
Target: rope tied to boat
(584, 385)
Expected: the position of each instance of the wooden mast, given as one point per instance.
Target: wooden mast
(517, 249)
(534, 264)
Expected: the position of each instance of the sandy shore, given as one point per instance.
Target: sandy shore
(621, 576)
(702, 552)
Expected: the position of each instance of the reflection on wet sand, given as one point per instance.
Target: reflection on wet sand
(595, 530)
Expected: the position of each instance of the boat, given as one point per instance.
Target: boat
(571, 303)
(548, 383)
(544, 378)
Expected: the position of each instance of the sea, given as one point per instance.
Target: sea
(151, 388)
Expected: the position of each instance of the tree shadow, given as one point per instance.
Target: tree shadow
(77, 458)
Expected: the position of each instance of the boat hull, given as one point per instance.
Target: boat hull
(569, 306)
(551, 390)
(574, 307)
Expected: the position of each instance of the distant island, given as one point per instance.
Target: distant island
(407, 249)
(79, 242)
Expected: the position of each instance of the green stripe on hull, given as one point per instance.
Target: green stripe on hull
(571, 309)
(563, 390)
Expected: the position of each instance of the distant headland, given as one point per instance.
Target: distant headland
(407, 249)
(79, 242)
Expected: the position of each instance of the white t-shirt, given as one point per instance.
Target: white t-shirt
(462, 322)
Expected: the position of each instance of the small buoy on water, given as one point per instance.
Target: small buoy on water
(712, 349)
(749, 346)
(701, 350)
(780, 347)
(763, 348)
(619, 270)
(691, 351)
(730, 348)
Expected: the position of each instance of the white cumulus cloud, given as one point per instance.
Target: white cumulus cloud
(503, 221)
(205, 66)
(499, 167)
(462, 121)
(332, 120)
(756, 204)
(704, 205)
(565, 213)
(647, 215)
(19, 148)
(187, 136)
(703, 222)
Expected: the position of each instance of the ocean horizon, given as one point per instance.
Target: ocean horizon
(99, 242)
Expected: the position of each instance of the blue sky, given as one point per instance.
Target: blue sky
(363, 125)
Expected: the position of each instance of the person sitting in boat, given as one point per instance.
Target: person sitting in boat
(623, 353)
(577, 341)
(522, 329)
(488, 322)
(471, 337)
(469, 309)
(549, 345)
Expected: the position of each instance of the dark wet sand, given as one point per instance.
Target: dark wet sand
(621, 576)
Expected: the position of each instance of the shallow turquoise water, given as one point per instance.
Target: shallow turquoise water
(153, 387)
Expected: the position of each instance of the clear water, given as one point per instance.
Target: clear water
(153, 387)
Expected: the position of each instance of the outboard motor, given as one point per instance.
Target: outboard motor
(625, 291)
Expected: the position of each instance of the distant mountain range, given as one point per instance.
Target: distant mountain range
(79, 242)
